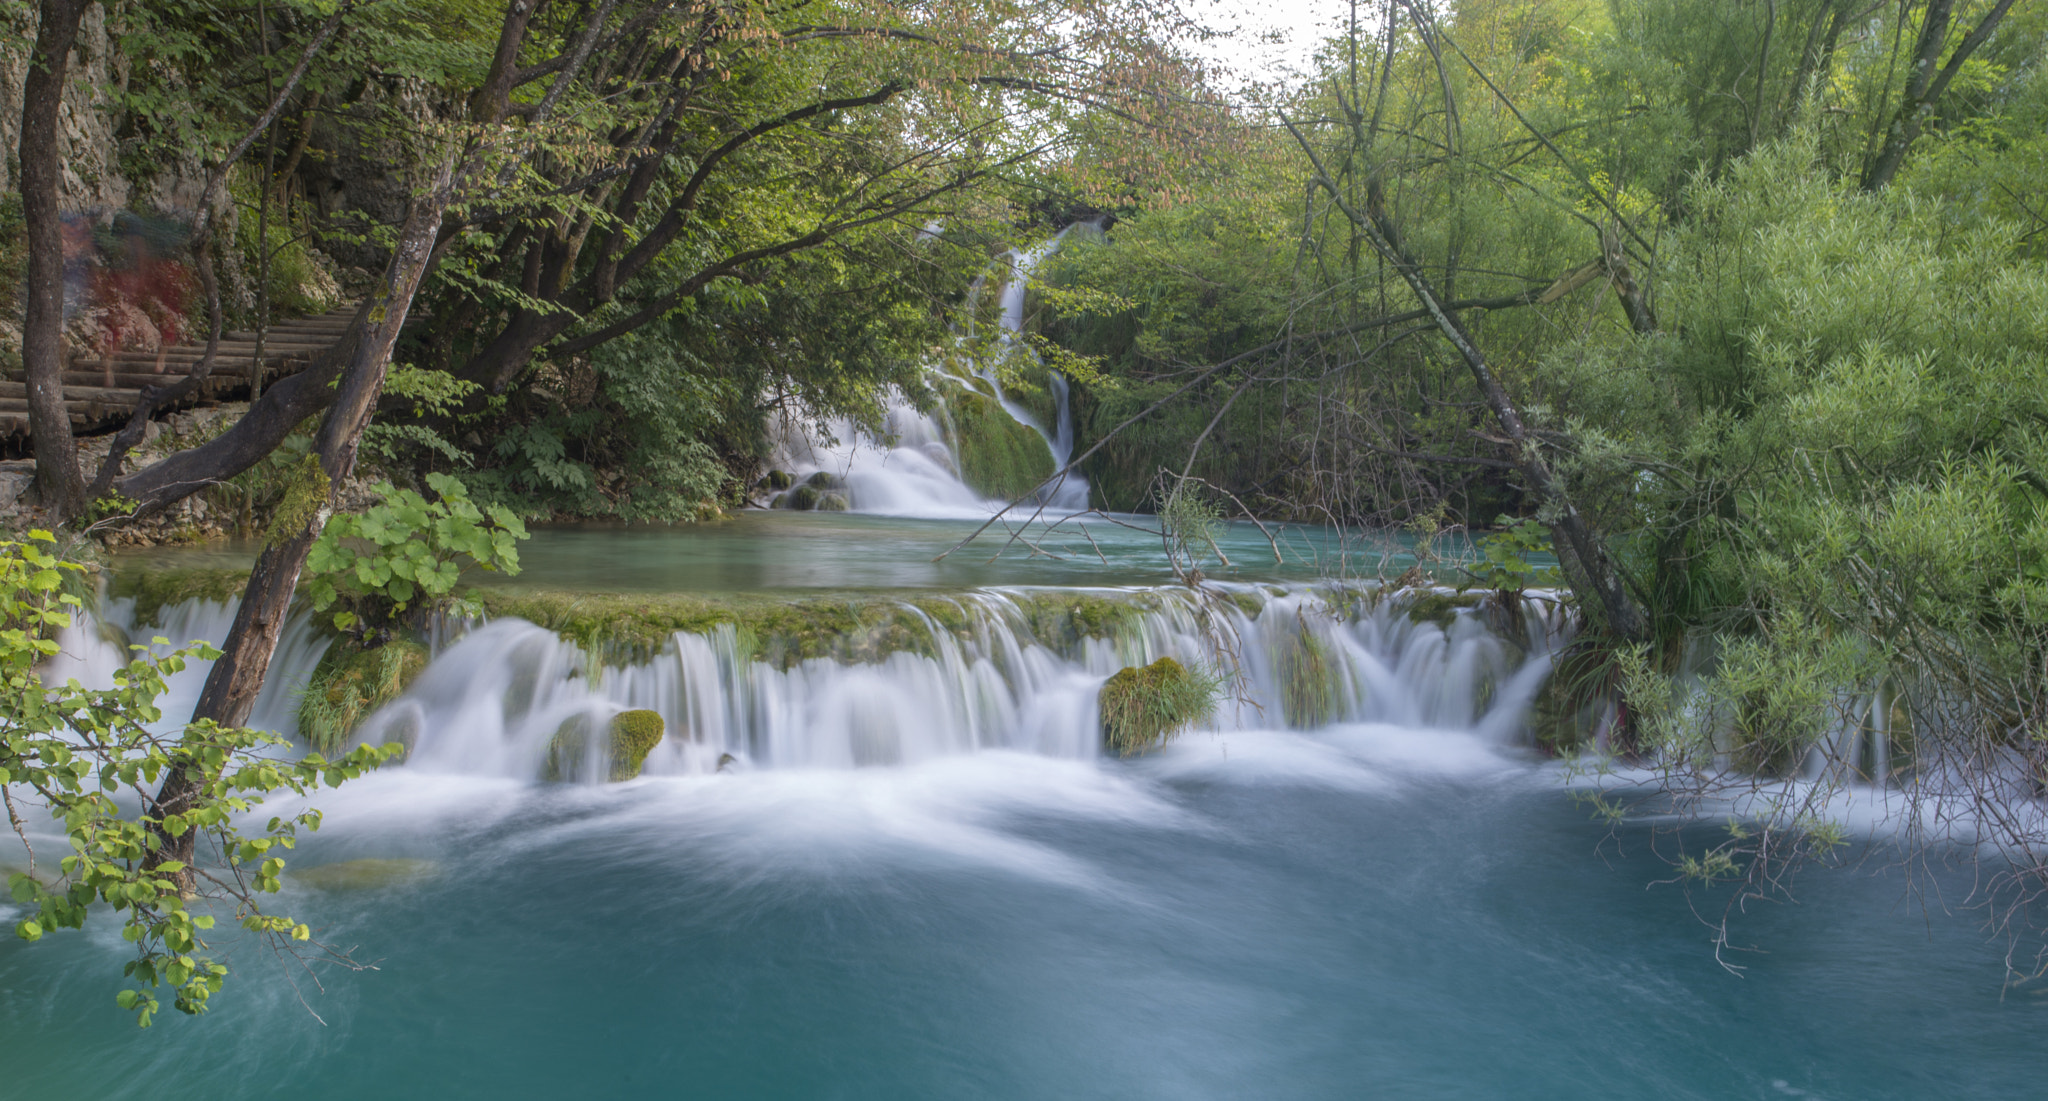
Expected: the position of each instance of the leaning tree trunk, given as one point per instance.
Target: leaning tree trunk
(237, 677)
(58, 480)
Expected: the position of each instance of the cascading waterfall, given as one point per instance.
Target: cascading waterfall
(493, 698)
(909, 470)
(492, 701)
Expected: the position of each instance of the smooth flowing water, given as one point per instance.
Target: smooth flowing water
(916, 877)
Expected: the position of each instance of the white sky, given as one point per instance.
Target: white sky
(1273, 38)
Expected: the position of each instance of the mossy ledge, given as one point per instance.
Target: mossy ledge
(629, 738)
(349, 683)
(855, 627)
(1145, 706)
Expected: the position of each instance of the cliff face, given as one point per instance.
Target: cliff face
(89, 125)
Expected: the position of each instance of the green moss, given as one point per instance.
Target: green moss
(1061, 619)
(155, 590)
(631, 627)
(349, 683)
(1145, 706)
(1308, 681)
(1440, 608)
(998, 456)
(362, 875)
(629, 738)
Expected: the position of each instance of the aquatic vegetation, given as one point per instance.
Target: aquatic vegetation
(1144, 706)
(367, 874)
(1308, 682)
(349, 683)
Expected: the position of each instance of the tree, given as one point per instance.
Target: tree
(73, 751)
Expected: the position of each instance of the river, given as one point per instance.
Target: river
(917, 878)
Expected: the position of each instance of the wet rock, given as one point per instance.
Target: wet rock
(777, 480)
(833, 502)
(825, 480)
(803, 499)
(629, 737)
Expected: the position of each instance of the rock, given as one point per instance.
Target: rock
(833, 502)
(12, 486)
(777, 480)
(629, 737)
(803, 499)
(825, 480)
(726, 761)
(1145, 706)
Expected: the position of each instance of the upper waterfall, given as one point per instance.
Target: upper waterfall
(916, 465)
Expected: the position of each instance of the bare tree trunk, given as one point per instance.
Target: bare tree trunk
(237, 677)
(59, 482)
(1603, 592)
(1925, 86)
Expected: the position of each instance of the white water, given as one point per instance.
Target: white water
(908, 469)
(492, 699)
(491, 702)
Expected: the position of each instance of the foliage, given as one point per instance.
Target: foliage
(1506, 558)
(1144, 706)
(74, 750)
(407, 553)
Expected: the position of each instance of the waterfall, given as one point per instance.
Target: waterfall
(94, 648)
(985, 680)
(907, 469)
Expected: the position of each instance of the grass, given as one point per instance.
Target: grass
(1146, 706)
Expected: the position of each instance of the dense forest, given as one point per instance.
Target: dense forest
(1737, 312)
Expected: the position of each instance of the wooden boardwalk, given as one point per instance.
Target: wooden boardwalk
(100, 392)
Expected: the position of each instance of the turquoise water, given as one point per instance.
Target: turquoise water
(1359, 913)
(1382, 909)
(757, 551)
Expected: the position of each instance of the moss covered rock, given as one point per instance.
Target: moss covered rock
(833, 502)
(803, 499)
(777, 480)
(999, 457)
(628, 738)
(1144, 706)
(349, 683)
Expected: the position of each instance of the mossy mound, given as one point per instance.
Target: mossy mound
(362, 875)
(349, 683)
(1308, 681)
(999, 457)
(155, 590)
(833, 502)
(777, 480)
(1145, 706)
(629, 738)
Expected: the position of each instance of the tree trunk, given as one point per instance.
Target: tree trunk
(1925, 86)
(237, 677)
(59, 482)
